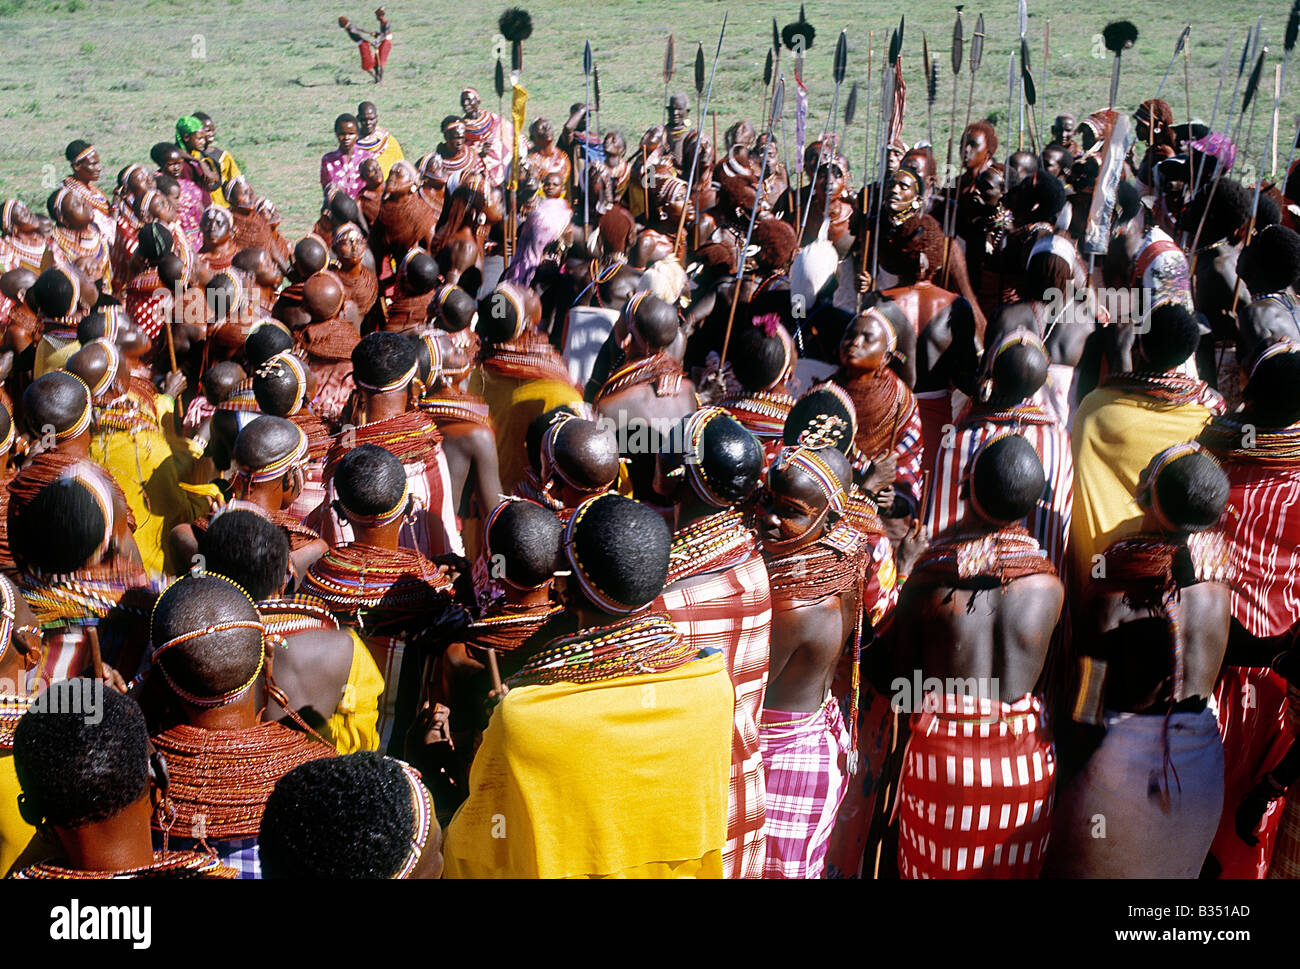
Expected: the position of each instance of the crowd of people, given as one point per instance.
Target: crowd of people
(550, 509)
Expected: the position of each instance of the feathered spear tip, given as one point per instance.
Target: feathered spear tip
(516, 24)
(1119, 36)
(851, 106)
(1024, 53)
(932, 94)
(668, 60)
(699, 70)
(800, 28)
(1293, 26)
(925, 56)
(595, 86)
(1182, 38)
(767, 67)
(1253, 84)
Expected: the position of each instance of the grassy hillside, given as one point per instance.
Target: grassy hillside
(274, 73)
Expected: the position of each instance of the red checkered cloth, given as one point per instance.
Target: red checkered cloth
(975, 799)
(1050, 521)
(147, 301)
(731, 610)
(805, 756)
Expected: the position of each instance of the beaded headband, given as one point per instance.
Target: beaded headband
(431, 343)
(410, 254)
(1273, 350)
(469, 90)
(112, 323)
(693, 440)
(891, 334)
(549, 465)
(82, 423)
(907, 173)
(807, 460)
(235, 183)
(1147, 496)
(215, 213)
(142, 206)
(76, 294)
(7, 442)
(600, 599)
(276, 365)
(630, 308)
(521, 318)
(272, 323)
(229, 695)
(94, 484)
(1056, 246)
(347, 230)
(422, 814)
(84, 152)
(384, 517)
(1016, 339)
(969, 475)
(130, 170)
(396, 384)
(490, 521)
(105, 381)
(60, 197)
(457, 125)
(279, 466)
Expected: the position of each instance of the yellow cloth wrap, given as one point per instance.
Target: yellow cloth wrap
(229, 169)
(1115, 436)
(50, 356)
(625, 778)
(149, 471)
(14, 831)
(518, 116)
(355, 724)
(389, 153)
(513, 404)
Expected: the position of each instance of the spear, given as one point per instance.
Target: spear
(699, 83)
(949, 179)
(768, 67)
(778, 106)
(976, 56)
(930, 70)
(1292, 31)
(1251, 86)
(866, 161)
(1223, 70)
(499, 84)
(1187, 82)
(695, 158)
(1178, 49)
(1031, 98)
(668, 73)
(1246, 57)
(776, 60)
(839, 69)
(1025, 81)
(587, 65)
(595, 93)
(1022, 20)
(887, 122)
(1047, 51)
(1250, 125)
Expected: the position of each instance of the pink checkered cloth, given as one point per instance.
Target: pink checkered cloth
(731, 610)
(805, 756)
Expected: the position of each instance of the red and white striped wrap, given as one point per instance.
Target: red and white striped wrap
(975, 799)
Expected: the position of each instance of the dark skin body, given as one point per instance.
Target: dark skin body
(471, 450)
(808, 638)
(1264, 321)
(1069, 333)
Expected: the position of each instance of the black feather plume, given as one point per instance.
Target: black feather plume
(841, 57)
(595, 85)
(668, 60)
(1253, 83)
(516, 24)
(767, 67)
(977, 45)
(1031, 92)
(1024, 54)
(699, 69)
(851, 105)
(499, 79)
(776, 36)
(958, 39)
(800, 28)
(896, 45)
(1119, 36)
(1292, 26)
(1182, 38)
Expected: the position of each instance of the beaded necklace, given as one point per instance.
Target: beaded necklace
(376, 586)
(30, 254)
(704, 545)
(763, 412)
(12, 709)
(451, 406)
(1224, 435)
(648, 643)
(1007, 554)
(222, 778)
(832, 565)
(297, 613)
(94, 196)
(663, 370)
(510, 625)
(1169, 388)
(166, 864)
(411, 437)
(533, 360)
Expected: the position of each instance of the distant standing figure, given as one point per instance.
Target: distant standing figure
(374, 53)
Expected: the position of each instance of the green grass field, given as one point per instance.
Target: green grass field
(275, 73)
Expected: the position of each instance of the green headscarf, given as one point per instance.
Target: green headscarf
(186, 126)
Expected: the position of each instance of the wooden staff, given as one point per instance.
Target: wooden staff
(1047, 71)
(96, 657)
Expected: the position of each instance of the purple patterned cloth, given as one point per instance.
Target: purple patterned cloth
(343, 172)
(1217, 145)
(805, 756)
